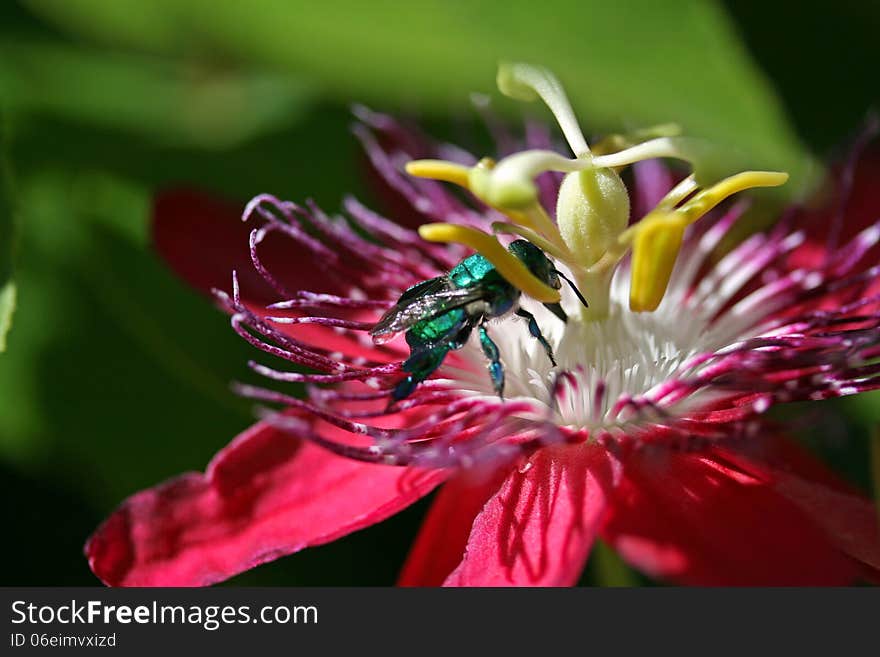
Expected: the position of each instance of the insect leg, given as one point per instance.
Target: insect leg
(535, 330)
(420, 365)
(496, 369)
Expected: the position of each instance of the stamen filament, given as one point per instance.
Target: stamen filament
(508, 265)
(678, 193)
(682, 148)
(542, 221)
(617, 142)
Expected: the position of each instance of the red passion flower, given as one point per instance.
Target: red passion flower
(646, 427)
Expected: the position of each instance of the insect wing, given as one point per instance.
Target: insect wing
(428, 305)
(409, 297)
(430, 286)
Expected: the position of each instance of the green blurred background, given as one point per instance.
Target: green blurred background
(115, 376)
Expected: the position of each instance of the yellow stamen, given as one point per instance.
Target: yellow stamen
(508, 265)
(655, 250)
(533, 217)
(709, 198)
(440, 170)
(657, 238)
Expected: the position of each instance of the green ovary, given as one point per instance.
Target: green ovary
(592, 210)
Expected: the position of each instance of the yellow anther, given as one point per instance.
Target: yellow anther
(656, 239)
(508, 265)
(704, 201)
(473, 179)
(655, 250)
(440, 170)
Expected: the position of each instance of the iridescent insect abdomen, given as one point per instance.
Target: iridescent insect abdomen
(432, 330)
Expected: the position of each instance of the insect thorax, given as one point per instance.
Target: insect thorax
(500, 295)
(473, 269)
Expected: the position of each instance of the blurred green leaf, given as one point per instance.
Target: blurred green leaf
(7, 308)
(875, 465)
(826, 114)
(863, 408)
(7, 236)
(97, 299)
(107, 334)
(118, 374)
(624, 63)
(171, 102)
(609, 569)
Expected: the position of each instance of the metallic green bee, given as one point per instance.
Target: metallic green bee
(439, 314)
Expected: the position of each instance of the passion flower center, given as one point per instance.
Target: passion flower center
(590, 234)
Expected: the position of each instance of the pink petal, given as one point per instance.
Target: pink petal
(441, 542)
(538, 529)
(694, 519)
(264, 496)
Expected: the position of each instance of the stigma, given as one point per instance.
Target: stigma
(592, 232)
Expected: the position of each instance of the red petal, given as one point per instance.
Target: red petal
(695, 520)
(538, 529)
(441, 542)
(849, 204)
(264, 496)
(203, 239)
(849, 519)
(777, 451)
